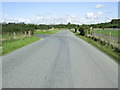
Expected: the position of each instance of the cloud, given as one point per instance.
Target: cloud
(39, 20)
(89, 18)
(71, 18)
(55, 20)
(16, 20)
(91, 15)
(98, 6)
(99, 13)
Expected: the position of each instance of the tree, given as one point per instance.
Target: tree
(69, 25)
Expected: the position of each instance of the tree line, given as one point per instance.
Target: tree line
(22, 27)
(113, 24)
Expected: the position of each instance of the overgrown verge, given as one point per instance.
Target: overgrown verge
(11, 45)
(11, 42)
(45, 31)
(108, 49)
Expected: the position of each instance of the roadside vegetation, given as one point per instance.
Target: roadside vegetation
(11, 45)
(17, 35)
(46, 31)
(108, 49)
(103, 37)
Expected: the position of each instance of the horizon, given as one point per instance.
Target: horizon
(59, 12)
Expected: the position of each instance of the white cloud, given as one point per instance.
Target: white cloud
(70, 18)
(16, 20)
(55, 20)
(91, 15)
(99, 13)
(39, 20)
(90, 18)
(98, 6)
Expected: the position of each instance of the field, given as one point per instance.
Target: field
(110, 36)
(115, 33)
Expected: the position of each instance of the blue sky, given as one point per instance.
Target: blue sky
(59, 12)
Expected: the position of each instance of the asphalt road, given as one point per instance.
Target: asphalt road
(59, 61)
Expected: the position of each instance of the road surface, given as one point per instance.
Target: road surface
(59, 61)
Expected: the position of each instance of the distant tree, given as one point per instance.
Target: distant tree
(115, 21)
(68, 23)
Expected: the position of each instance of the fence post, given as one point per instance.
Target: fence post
(29, 33)
(87, 33)
(99, 34)
(90, 32)
(91, 28)
(93, 33)
(14, 35)
(110, 37)
(25, 33)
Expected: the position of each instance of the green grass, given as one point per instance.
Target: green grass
(9, 46)
(46, 31)
(107, 49)
(107, 32)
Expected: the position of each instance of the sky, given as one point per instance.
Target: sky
(59, 12)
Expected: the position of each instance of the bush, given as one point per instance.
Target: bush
(75, 30)
(95, 39)
(82, 31)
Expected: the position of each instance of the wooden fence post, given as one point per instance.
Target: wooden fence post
(87, 33)
(91, 28)
(110, 37)
(25, 34)
(30, 33)
(14, 35)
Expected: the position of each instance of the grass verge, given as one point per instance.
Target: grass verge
(46, 31)
(9, 46)
(107, 49)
